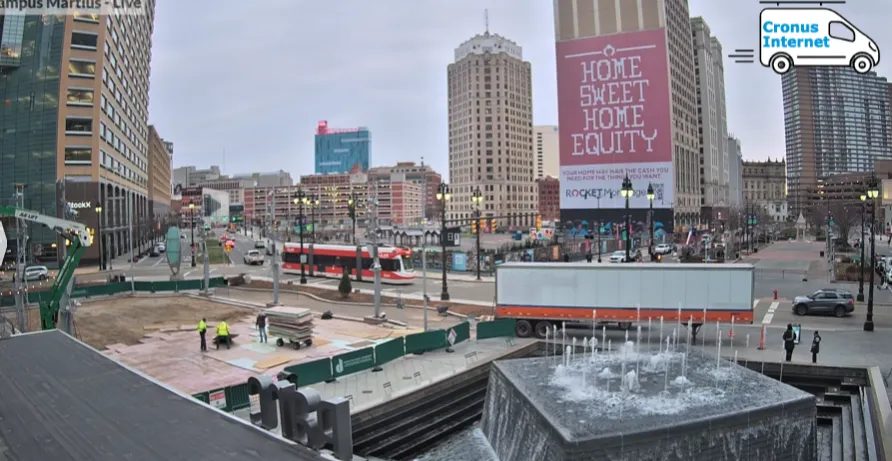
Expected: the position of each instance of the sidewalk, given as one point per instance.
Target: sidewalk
(410, 373)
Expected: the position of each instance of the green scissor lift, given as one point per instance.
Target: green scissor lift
(79, 239)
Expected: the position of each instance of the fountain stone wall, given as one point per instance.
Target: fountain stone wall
(668, 407)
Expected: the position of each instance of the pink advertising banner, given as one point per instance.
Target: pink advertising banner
(614, 118)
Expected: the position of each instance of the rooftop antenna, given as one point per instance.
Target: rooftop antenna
(486, 20)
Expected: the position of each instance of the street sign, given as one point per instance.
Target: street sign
(451, 336)
(453, 236)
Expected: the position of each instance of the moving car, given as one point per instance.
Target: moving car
(259, 244)
(663, 249)
(619, 256)
(825, 301)
(161, 248)
(34, 273)
(253, 257)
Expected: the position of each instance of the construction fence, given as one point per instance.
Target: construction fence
(110, 289)
(236, 397)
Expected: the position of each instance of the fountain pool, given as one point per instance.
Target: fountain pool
(644, 405)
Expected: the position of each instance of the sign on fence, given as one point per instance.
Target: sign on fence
(352, 362)
(217, 398)
(459, 333)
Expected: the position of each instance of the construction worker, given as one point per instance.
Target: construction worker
(202, 331)
(222, 334)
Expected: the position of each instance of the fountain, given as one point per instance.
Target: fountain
(626, 405)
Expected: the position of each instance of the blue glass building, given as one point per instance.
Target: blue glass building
(339, 150)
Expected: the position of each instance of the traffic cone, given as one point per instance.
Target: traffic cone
(762, 339)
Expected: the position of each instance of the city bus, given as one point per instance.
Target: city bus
(331, 260)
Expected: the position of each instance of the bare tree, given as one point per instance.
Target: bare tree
(845, 216)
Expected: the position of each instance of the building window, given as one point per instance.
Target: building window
(84, 40)
(81, 68)
(78, 155)
(78, 126)
(80, 97)
(86, 17)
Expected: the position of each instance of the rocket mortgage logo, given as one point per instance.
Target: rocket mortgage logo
(804, 36)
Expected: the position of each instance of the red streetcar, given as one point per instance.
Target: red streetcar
(330, 260)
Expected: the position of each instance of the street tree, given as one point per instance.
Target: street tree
(845, 216)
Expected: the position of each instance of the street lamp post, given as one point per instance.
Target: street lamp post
(477, 199)
(598, 226)
(650, 198)
(443, 196)
(627, 192)
(351, 209)
(860, 297)
(300, 201)
(192, 228)
(872, 194)
(99, 235)
(313, 203)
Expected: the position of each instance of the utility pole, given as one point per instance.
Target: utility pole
(373, 237)
(424, 240)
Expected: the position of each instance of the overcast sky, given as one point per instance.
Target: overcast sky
(253, 82)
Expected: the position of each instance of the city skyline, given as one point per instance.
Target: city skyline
(377, 90)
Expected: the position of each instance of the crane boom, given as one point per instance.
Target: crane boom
(79, 239)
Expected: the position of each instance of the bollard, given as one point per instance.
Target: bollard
(775, 294)
(762, 339)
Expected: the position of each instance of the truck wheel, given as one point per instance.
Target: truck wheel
(625, 325)
(523, 329)
(542, 328)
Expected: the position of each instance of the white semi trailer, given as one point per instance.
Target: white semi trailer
(539, 295)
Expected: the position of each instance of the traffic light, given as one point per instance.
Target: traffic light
(474, 226)
(492, 225)
(481, 226)
(539, 222)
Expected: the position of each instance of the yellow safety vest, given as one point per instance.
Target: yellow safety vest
(202, 327)
(222, 329)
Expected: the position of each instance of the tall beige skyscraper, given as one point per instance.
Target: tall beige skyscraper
(491, 130)
(713, 119)
(547, 151)
(630, 27)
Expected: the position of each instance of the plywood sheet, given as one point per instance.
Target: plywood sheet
(285, 311)
(273, 361)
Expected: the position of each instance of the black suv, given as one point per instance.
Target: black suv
(825, 301)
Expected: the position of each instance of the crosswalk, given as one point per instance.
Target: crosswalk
(769, 316)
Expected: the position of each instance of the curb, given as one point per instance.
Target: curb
(348, 303)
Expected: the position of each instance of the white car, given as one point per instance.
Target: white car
(618, 256)
(259, 244)
(35, 273)
(161, 248)
(663, 249)
(253, 257)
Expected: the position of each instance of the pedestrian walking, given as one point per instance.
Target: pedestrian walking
(261, 326)
(202, 331)
(815, 347)
(789, 341)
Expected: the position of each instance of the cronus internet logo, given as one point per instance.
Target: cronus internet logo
(174, 250)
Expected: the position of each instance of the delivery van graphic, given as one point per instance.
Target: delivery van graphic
(800, 37)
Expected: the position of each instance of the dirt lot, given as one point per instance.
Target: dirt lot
(334, 295)
(125, 320)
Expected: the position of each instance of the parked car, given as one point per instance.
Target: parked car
(254, 257)
(663, 249)
(161, 248)
(154, 252)
(826, 301)
(35, 273)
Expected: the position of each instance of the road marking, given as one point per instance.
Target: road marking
(770, 314)
(158, 261)
(189, 272)
(755, 302)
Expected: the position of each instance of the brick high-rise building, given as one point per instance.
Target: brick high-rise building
(836, 121)
(80, 84)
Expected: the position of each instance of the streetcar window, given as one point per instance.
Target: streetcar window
(291, 258)
(407, 264)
